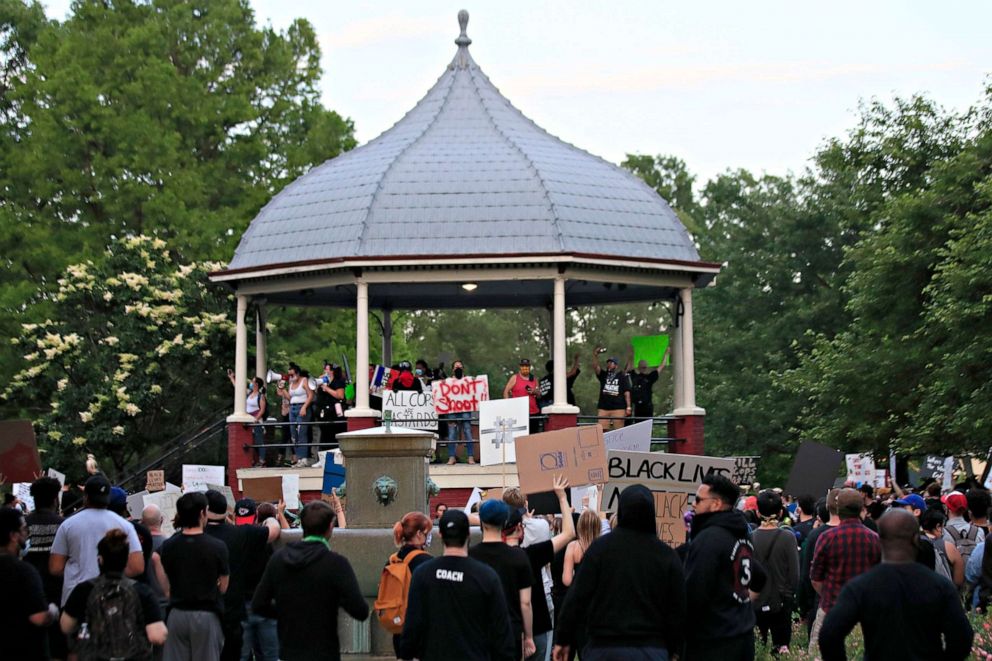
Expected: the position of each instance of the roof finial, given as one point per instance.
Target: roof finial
(463, 40)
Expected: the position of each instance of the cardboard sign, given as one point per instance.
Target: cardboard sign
(412, 410)
(745, 470)
(379, 376)
(155, 481)
(19, 461)
(196, 477)
(166, 501)
(463, 395)
(577, 453)
(860, 468)
(263, 489)
(228, 494)
(814, 470)
(650, 348)
(662, 471)
(669, 509)
(501, 421)
(634, 438)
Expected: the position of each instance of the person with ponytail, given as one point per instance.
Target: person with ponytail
(775, 548)
(410, 534)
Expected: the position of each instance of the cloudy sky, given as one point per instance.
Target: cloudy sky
(720, 84)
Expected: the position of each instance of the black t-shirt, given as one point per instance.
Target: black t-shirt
(929, 622)
(325, 399)
(75, 606)
(244, 545)
(23, 596)
(612, 386)
(640, 386)
(193, 564)
(546, 389)
(540, 555)
(513, 568)
(42, 525)
(456, 610)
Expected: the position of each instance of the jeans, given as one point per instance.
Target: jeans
(299, 433)
(624, 653)
(460, 422)
(258, 437)
(542, 643)
(260, 637)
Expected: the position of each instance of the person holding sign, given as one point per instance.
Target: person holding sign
(614, 392)
(523, 384)
(642, 382)
(459, 423)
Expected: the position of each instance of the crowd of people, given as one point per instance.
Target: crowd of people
(307, 404)
(905, 566)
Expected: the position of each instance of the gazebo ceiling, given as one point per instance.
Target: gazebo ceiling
(464, 173)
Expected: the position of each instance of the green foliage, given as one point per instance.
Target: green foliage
(125, 360)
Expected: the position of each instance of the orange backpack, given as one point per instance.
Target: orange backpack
(394, 586)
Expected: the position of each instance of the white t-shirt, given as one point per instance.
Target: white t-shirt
(77, 538)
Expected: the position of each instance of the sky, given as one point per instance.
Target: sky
(721, 84)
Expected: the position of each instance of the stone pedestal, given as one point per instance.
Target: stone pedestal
(687, 432)
(386, 474)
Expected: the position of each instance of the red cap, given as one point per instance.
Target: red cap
(751, 503)
(955, 501)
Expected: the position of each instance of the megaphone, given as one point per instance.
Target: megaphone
(271, 377)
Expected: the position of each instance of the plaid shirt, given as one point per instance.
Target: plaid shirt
(847, 551)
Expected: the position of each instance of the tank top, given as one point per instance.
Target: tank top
(252, 403)
(519, 389)
(298, 395)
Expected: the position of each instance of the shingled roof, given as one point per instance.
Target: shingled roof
(463, 173)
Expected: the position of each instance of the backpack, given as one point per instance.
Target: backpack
(965, 543)
(942, 566)
(394, 587)
(114, 627)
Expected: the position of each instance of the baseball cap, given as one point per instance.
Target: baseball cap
(914, 500)
(955, 501)
(613, 359)
(454, 523)
(525, 361)
(514, 519)
(216, 502)
(751, 503)
(244, 511)
(97, 490)
(494, 513)
(850, 503)
(117, 501)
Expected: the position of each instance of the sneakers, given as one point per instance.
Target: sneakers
(471, 460)
(452, 460)
(306, 462)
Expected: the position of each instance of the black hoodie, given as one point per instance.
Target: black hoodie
(303, 586)
(629, 590)
(719, 572)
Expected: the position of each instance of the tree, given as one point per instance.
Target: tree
(126, 357)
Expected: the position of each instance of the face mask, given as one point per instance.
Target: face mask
(419, 372)
(459, 372)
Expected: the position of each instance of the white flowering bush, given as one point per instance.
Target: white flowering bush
(128, 357)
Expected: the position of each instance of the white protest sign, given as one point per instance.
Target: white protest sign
(196, 477)
(745, 470)
(136, 503)
(166, 501)
(634, 438)
(860, 468)
(475, 497)
(172, 488)
(948, 474)
(584, 498)
(22, 491)
(291, 491)
(57, 475)
(412, 410)
(463, 395)
(378, 378)
(500, 422)
(880, 476)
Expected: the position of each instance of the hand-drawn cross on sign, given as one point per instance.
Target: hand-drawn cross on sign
(503, 431)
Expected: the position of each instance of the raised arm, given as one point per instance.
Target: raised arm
(567, 533)
(664, 359)
(595, 360)
(575, 367)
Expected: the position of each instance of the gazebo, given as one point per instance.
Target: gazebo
(466, 203)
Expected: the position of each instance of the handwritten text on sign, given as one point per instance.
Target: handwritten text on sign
(413, 410)
(660, 472)
(460, 395)
(669, 509)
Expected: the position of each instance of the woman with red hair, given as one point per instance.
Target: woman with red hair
(411, 535)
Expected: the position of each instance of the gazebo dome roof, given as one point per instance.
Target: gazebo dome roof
(463, 173)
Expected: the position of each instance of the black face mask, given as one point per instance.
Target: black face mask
(459, 372)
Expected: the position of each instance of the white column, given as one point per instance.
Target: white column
(686, 361)
(560, 405)
(241, 365)
(387, 337)
(260, 341)
(678, 390)
(361, 409)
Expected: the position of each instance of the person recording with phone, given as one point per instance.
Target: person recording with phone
(614, 392)
(523, 384)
